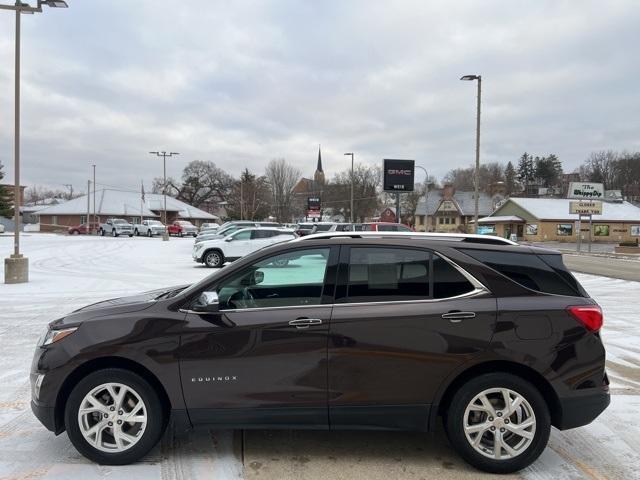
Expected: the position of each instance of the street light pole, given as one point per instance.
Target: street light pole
(476, 176)
(164, 155)
(16, 267)
(351, 211)
(94, 201)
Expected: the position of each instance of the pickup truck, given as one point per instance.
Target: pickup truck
(116, 227)
(182, 228)
(149, 228)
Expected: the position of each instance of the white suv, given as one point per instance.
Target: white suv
(214, 253)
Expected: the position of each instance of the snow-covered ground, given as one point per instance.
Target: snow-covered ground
(68, 272)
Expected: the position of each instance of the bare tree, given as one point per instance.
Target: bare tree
(249, 198)
(282, 177)
(366, 180)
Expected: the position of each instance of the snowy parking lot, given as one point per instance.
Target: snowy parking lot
(69, 272)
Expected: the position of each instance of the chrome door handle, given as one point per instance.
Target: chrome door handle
(457, 317)
(305, 322)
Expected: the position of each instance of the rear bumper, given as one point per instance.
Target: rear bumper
(581, 410)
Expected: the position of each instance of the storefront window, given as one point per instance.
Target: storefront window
(635, 230)
(532, 229)
(486, 229)
(564, 229)
(601, 230)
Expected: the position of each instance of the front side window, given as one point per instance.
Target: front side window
(286, 280)
(388, 274)
(244, 235)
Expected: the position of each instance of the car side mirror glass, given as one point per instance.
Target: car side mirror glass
(258, 277)
(228, 239)
(207, 302)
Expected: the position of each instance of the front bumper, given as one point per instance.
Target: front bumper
(46, 415)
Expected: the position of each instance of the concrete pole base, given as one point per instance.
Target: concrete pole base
(165, 237)
(16, 269)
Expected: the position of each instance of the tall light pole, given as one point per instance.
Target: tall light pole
(351, 211)
(94, 201)
(16, 267)
(164, 155)
(476, 176)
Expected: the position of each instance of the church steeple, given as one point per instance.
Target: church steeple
(318, 176)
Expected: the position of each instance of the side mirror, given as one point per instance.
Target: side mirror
(228, 239)
(253, 278)
(207, 302)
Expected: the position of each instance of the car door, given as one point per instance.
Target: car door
(404, 319)
(238, 244)
(262, 358)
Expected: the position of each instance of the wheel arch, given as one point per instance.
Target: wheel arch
(99, 364)
(523, 371)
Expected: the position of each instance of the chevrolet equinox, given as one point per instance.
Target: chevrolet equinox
(337, 331)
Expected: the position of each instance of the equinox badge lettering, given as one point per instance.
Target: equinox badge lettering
(226, 378)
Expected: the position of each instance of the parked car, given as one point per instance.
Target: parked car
(307, 228)
(83, 228)
(116, 227)
(149, 228)
(182, 228)
(371, 331)
(214, 253)
(382, 227)
(209, 227)
(230, 227)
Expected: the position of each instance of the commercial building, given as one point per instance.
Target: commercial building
(541, 219)
(119, 204)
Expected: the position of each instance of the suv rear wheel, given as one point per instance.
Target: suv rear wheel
(498, 422)
(114, 417)
(213, 259)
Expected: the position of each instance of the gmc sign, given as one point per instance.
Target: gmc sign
(398, 175)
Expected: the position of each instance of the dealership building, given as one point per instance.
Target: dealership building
(111, 203)
(548, 219)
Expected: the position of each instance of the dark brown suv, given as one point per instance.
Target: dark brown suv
(337, 331)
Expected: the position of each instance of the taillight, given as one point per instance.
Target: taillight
(589, 315)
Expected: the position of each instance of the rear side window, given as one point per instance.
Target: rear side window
(447, 280)
(396, 274)
(387, 228)
(528, 270)
(388, 274)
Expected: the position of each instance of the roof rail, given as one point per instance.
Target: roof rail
(451, 237)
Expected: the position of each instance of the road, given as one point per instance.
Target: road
(625, 269)
(67, 273)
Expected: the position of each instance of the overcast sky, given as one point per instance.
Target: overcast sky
(240, 82)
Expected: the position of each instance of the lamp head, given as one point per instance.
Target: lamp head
(470, 77)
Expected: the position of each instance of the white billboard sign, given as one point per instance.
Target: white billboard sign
(586, 190)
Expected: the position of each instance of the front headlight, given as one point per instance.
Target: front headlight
(53, 336)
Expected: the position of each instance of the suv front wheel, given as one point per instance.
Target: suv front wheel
(114, 417)
(213, 259)
(498, 422)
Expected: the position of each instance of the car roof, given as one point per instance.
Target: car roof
(457, 237)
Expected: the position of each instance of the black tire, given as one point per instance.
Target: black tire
(149, 234)
(114, 233)
(137, 233)
(454, 422)
(76, 232)
(181, 234)
(213, 259)
(156, 422)
(130, 235)
(101, 232)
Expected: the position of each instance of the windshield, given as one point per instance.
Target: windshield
(185, 224)
(154, 222)
(118, 220)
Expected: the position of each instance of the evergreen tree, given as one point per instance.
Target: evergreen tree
(526, 169)
(510, 178)
(6, 209)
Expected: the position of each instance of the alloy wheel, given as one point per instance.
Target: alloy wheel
(213, 259)
(112, 417)
(499, 423)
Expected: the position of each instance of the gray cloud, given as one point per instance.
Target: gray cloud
(242, 82)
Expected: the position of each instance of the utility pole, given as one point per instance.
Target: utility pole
(88, 207)
(241, 198)
(164, 155)
(476, 176)
(352, 180)
(16, 267)
(95, 222)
